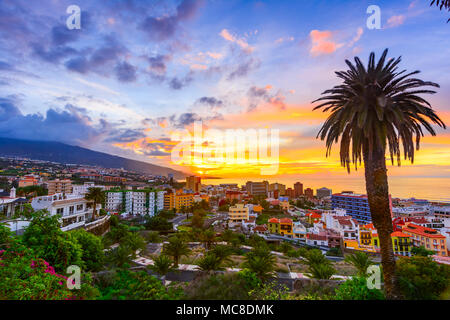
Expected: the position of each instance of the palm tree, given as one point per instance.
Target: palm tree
(96, 195)
(222, 252)
(374, 108)
(321, 271)
(210, 262)
(162, 265)
(260, 261)
(442, 4)
(208, 237)
(176, 248)
(361, 261)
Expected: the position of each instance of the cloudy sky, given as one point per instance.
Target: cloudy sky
(137, 71)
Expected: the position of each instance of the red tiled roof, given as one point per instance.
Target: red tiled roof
(262, 228)
(274, 220)
(313, 236)
(399, 234)
(422, 231)
(285, 220)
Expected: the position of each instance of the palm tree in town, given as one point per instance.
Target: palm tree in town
(176, 248)
(374, 109)
(97, 196)
(210, 262)
(208, 237)
(260, 261)
(162, 265)
(361, 261)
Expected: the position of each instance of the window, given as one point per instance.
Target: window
(71, 209)
(60, 211)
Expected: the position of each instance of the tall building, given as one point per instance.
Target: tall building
(323, 192)
(28, 180)
(298, 189)
(59, 186)
(178, 200)
(257, 188)
(193, 183)
(140, 202)
(290, 193)
(309, 193)
(281, 188)
(355, 205)
(238, 213)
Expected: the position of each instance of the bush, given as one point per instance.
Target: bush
(356, 289)
(420, 278)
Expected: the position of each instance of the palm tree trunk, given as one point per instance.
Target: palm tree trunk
(94, 212)
(378, 198)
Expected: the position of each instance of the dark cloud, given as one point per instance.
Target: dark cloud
(177, 84)
(125, 72)
(164, 27)
(107, 57)
(54, 54)
(70, 125)
(158, 64)
(256, 95)
(243, 68)
(61, 35)
(210, 101)
(125, 135)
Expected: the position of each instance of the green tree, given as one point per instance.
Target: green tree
(128, 285)
(361, 261)
(208, 237)
(375, 109)
(357, 289)
(120, 256)
(222, 252)
(134, 241)
(421, 251)
(92, 249)
(421, 278)
(46, 239)
(153, 237)
(96, 196)
(162, 265)
(176, 248)
(210, 262)
(260, 261)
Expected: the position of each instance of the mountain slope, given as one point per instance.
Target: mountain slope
(64, 153)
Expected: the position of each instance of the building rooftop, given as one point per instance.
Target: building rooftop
(422, 231)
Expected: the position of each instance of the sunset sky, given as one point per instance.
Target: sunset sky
(138, 71)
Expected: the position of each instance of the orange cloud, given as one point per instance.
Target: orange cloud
(322, 43)
(395, 21)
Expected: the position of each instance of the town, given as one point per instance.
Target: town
(291, 221)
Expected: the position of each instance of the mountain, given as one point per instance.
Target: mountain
(64, 153)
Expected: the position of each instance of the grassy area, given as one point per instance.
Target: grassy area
(263, 217)
(184, 228)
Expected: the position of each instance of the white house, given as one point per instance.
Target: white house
(72, 208)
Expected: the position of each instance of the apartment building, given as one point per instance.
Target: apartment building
(140, 202)
(59, 186)
(257, 188)
(84, 188)
(193, 183)
(309, 193)
(73, 209)
(238, 213)
(29, 180)
(431, 239)
(323, 193)
(356, 206)
(281, 188)
(298, 189)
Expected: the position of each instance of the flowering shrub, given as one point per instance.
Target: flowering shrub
(25, 277)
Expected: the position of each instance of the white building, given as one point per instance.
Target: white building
(84, 188)
(72, 208)
(9, 201)
(135, 202)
